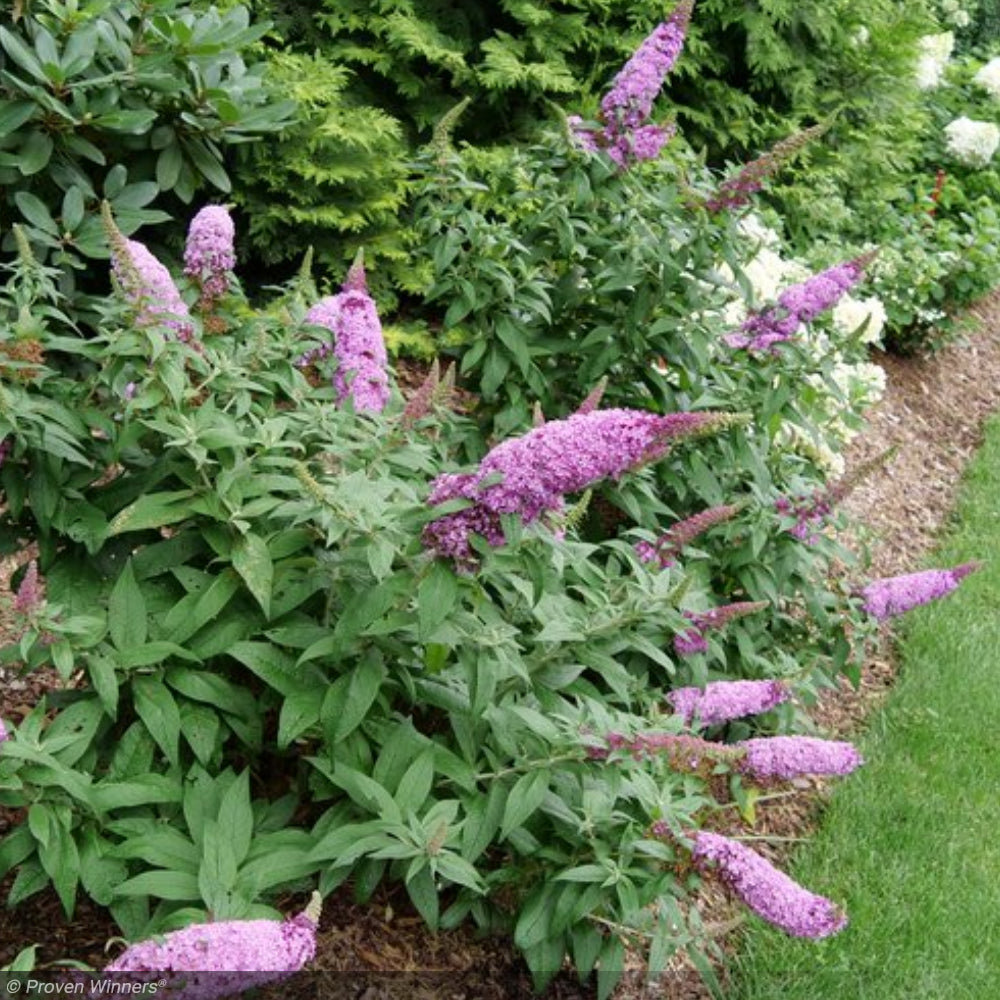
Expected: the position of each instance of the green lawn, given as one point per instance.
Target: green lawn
(911, 842)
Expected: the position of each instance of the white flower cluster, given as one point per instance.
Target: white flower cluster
(988, 77)
(972, 142)
(954, 13)
(850, 313)
(935, 51)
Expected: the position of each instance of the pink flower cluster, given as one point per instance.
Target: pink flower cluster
(770, 893)
(722, 701)
(669, 545)
(30, 595)
(693, 640)
(798, 304)
(149, 287)
(209, 256)
(538, 469)
(895, 595)
(358, 345)
(625, 109)
(781, 758)
(254, 952)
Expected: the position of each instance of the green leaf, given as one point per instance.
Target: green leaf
(524, 799)
(424, 896)
(141, 790)
(13, 114)
(436, 596)
(36, 212)
(415, 785)
(22, 55)
(252, 561)
(166, 847)
(347, 702)
(200, 726)
(367, 793)
(272, 665)
(158, 710)
(34, 155)
(127, 616)
(299, 712)
(152, 511)
(168, 166)
(482, 822)
(99, 873)
(173, 885)
(236, 816)
(155, 652)
(208, 165)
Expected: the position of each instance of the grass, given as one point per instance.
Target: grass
(910, 844)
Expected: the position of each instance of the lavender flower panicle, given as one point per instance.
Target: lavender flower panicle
(30, 594)
(358, 345)
(626, 135)
(737, 190)
(669, 545)
(254, 951)
(796, 305)
(721, 701)
(149, 287)
(896, 595)
(770, 893)
(4, 734)
(785, 757)
(541, 467)
(692, 640)
(208, 254)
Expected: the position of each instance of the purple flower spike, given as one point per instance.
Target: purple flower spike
(786, 757)
(209, 254)
(626, 136)
(30, 594)
(149, 287)
(770, 893)
(670, 544)
(561, 456)
(358, 344)
(722, 701)
(796, 305)
(253, 952)
(692, 640)
(896, 595)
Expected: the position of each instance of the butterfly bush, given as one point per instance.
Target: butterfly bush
(797, 305)
(785, 757)
(626, 137)
(147, 284)
(254, 952)
(669, 545)
(770, 893)
(209, 256)
(693, 640)
(723, 701)
(358, 345)
(895, 595)
(972, 142)
(538, 469)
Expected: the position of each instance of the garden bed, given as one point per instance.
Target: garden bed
(933, 410)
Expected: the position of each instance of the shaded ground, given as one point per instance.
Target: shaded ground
(934, 410)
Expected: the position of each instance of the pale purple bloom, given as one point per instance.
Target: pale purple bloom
(796, 305)
(810, 513)
(4, 734)
(670, 544)
(684, 751)
(538, 469)
(6, 447)
(254, 951)
(692, 640)
(149, 287)
(358, 345)
(721, 701)
(30, 594)
(895, 595)
(770, 893)
(129, 392)
(208, 254)
(786, 757)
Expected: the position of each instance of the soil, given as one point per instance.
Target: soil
(934, 409)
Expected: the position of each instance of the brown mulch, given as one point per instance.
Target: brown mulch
(934, 410)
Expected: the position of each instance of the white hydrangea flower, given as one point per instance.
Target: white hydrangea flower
(972, 142)
(850, 313)
(755, 230)
(988, 77)
(861, 35)
(935, 51)
(791, 437)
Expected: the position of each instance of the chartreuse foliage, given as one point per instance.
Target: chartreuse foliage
(269, 682)
(125, 102)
